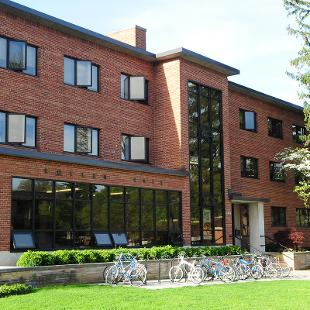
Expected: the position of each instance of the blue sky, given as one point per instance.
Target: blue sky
(249, 35)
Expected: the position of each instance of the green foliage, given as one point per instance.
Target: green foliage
(303, 192)
(64, 257)
(14, 289)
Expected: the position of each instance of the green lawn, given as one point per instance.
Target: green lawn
(254, 295)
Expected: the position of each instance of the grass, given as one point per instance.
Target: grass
(253, 295)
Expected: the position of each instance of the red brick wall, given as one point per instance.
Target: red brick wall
(264, 148)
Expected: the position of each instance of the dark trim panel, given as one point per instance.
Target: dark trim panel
(239, 197)
(89, 162)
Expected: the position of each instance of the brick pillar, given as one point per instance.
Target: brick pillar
(5, 212)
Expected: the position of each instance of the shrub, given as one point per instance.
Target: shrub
(296, 238)
(63, 257)
(14, 289)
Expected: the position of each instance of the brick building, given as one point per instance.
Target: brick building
(100, 137)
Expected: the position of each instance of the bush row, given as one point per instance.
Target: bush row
(14, 289)
(63, 257)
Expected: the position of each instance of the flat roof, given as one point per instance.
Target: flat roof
(262, 96)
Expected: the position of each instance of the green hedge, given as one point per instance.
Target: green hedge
(63, 257)
(14, 289)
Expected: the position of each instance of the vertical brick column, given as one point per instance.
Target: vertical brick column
(5, 212)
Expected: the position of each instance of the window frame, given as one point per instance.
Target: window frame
(243, 122)
(75, 140)
(275, 215)
(296, 138)
(270, 133)
(297, 214)
(8, 53)
(7, 129)
(75, 74)
(147, 149)
(146, 101)
(243, 167)
(271, 171)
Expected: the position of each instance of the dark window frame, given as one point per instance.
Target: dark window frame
(75, 140)
(244, 173)
(276, 216)
(147, 149)
(296, 128)
(8, 53)
(74, 231)
(299, 214)
(75, 75)
(271, 126)
(243, 122)
(146, 101)
(7, 129)
(271, 170)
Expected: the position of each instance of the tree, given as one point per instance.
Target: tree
(298, 159)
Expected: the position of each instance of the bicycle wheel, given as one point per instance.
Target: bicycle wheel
(196, 275)
(271, 272)
(138, 275)
(175, 274)
(111, 275)
(244, 272)
(257, 272)
(227, 274)
(278, 268)
(286, 270)
(208, 276)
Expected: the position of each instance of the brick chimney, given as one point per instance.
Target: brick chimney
(135, 36)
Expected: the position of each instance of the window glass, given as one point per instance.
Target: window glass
(82, 191)
(83, 73)
(21, 185)
(3, 53)
(82, 215)
(69, 71)
(249, 167)
(44, 189)
(69, 138)
(125, 147)
(274, 128)
(64, 190)
(138, 148)
(16, 128)
(22, 211)
(31, 61)
(298, 132)
(44, 214)
(63, 239)
(302, 217)
(95, 145)
(124, 86)
(63, 214)
(83, 140)
(249, 120)
(278, 216)
(17, 55)
(30, 132)
(277, 172)
(23, 240)
(94, 73)
(2, 127)
(44, 239)
(100, 207)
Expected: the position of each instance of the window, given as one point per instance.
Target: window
(298, 132)
(276, 172)
(278, 216)
(248, 120)
(81, 140)
(302, 217)
(275, 128)
(18, 56)
(134, 88)
(135, 148)
(81, 73)
(249, 167)
(17, 129)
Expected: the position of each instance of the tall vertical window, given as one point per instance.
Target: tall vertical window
(298, 132)
(278, 216)
(206, 172)
(302, 217)
(135, 148)
(81, 73)
(17, 129)
(248, 120)
(275, 128)
(276, 172)
(81, 140)
(134, 88)
(17, 55)
(249, 167)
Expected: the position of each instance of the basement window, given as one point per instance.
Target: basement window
(81, 140)
(134, 88)
(81, 73)
(18, 56)
(135, 148)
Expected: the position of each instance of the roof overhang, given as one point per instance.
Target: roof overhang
(264, 97)
(198, 59)
(238, 197)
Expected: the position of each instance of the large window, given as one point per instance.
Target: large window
(248, 120)
(298, 133)
(62, 214)
(249, 167)
(81, 140)
(278, 216)
(135, 148)
(17, 129)
(275, 128)
(206, 173)
(81, 73)
(17, 55)
(302, 217)
(276, 172)
(134, 88)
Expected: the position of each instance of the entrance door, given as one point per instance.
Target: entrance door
(244, 226)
